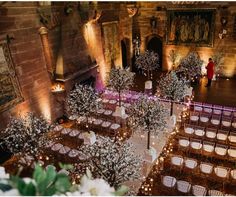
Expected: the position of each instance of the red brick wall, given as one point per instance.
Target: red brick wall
(21, 21)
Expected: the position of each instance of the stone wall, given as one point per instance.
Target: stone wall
(158, 10)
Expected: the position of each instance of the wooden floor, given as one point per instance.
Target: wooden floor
(222, 91)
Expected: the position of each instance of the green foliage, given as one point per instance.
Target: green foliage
(44, 183)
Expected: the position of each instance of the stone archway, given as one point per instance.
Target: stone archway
(154, 43)
(125, 52)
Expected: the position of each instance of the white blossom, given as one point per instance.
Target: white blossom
(112, 160)
(218, 59)
(95, 187)
(26, 134)
(119, 80)
(149, 115)
(171, 87)
(3, 174)
(190, 66)
(83, 100)
(148, 61)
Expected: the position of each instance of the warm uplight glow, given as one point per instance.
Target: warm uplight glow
(57, 87)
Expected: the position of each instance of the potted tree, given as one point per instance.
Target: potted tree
(171, 87)
(147, 62)
(150, 116)
(119, 80)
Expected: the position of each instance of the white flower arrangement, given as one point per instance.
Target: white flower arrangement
(119, 80)
(82, 101)
(112, 160)
(149, 115)
(51, 183)
(26, 135)
(148, 61)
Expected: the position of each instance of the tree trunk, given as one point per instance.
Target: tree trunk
(119, 99)
(148, 74)
(171, 108)
(148, 140)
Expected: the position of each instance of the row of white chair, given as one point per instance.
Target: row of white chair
(100, 122)
(187, 187)
(208, 147)
(206, 168)
(64, 150)
(214, 120)
(214, 109)
(211, 133)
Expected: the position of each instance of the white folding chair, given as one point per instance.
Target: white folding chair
(57, 147)
(177, 160)
(208, 147)
(211, 133)
(204, 118)
(194, 117)
(183, 186)
(227, 111)
(226, 122)
(206, 168)
(233, 174)
(198, 106)
(169, 181)
(221, 171)
(232, 137)
(222, 135)
(220, 150)
(64, 150)
(190, 163)
(184, 142)
(188, 129)
(74, 133)
(215, 193)
(58, 128)
(232, 152)
(73, 153)
(207, 108)
(98, 122)
(217, 109)
(196, 144)
(199, 131)
(215, 120)
(199, 190)
(65, 131)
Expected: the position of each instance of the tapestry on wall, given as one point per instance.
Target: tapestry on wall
(191, 27)
(10, 93)
(111, 43)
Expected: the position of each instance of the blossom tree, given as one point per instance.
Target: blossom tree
(82, 101)
(112, 160)
(119, 80)
(218, 59)
(172, 88)
(148, 61)
(149, 115)
(26, 135)
(190, 66)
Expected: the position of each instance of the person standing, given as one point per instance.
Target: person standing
(210, 72)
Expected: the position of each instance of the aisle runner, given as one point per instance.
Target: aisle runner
(139, 141)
